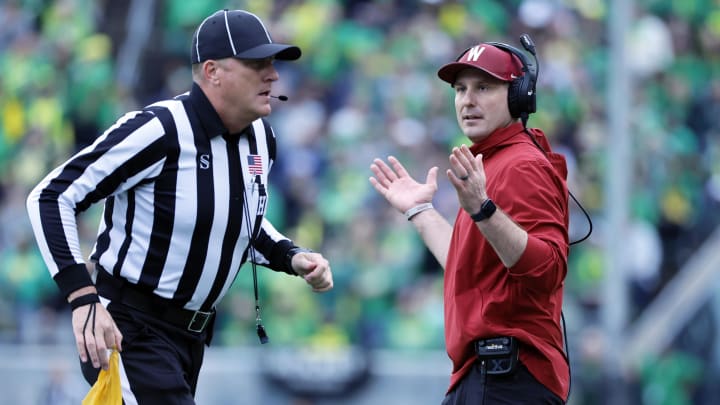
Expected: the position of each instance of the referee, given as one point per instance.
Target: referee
(184, 185)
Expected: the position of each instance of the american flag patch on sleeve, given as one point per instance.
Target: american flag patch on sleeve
(255, 165)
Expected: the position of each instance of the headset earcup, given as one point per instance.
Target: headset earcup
(530, 95)
(521, 93)
(514, 102)
(526, 94)
(521, 96)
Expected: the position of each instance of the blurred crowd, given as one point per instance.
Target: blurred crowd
(366, 87)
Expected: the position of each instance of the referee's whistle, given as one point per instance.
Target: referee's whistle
(262, 335)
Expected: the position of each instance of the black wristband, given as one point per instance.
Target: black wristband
(84, 300)
(289, 255)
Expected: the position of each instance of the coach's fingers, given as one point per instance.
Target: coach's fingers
(398, 167)
(465, 157)
(383, 173)
(431, 177)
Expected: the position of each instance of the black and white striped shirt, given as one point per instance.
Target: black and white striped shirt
(182, 197)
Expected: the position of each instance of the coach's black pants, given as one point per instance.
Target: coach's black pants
(162, 361)
(518, 388)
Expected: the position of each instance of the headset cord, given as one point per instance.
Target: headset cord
(567, 353)
(587, 235)
(587, 216)
(530, 47)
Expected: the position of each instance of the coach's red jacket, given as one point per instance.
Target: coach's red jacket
(483, 298)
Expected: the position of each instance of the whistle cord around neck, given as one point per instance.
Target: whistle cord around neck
(262, 335)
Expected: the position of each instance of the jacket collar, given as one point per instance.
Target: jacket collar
(209, 118)
(499, 138)
(513, 134)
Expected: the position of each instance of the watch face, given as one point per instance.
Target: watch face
(487, 209)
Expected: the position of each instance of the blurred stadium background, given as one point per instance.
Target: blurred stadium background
(629, 91)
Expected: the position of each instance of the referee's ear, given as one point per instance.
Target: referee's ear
(205, 72)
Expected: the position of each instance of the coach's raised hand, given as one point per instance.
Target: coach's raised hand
(402, 191)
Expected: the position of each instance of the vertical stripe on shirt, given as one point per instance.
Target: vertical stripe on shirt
(234, 223)
(203, 208)
(164, 198)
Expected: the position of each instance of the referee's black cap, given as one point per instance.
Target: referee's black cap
(237, 33)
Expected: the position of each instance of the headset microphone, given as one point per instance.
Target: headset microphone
(528, 43)
(280, 97)
(529, 46)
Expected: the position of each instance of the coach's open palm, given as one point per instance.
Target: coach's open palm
(395, 184)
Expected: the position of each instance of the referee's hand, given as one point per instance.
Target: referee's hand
(315, 269)
(95, 332)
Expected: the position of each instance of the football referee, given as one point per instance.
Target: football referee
(184, 185)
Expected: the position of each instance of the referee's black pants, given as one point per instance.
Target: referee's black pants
(161, 361)
(518, 388)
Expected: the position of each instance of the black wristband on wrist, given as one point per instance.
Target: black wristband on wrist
(84, 300)
(289, 255)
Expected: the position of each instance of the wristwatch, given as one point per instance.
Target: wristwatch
(487, 209)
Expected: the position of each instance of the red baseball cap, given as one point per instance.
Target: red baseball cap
(488, 58)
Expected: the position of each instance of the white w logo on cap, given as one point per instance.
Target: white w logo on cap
(474, 53)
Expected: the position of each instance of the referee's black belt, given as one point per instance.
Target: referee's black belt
(117, 290)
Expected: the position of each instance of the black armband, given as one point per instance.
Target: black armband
(84, 300)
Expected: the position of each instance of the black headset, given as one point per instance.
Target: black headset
(521, 94)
